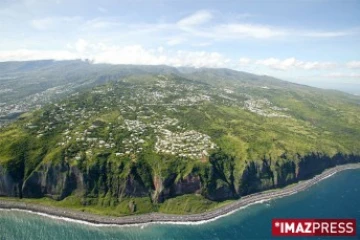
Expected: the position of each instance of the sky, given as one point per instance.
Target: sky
(311, 42)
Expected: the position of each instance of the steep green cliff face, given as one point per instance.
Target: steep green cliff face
(147, 140)
(56, 181)
(215, 180)
(8, 186)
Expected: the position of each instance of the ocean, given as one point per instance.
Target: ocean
(335, 197)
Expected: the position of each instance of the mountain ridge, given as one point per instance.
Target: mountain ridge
(149, 68)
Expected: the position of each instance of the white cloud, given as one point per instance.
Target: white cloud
(133, 54)
(353, 64)
(193, 25)
(324, 34)
(247, 30)
(199, 59)
(191, 30)
(202, 44)
(103, 52)
(343, 75)
(175, 41)
(42, 24)
(244, 61)
(26, 55)
(136, 54)
(198, 18)
(130, 54)
(53, 22)
(81, 45)
(101, 23)
(292, 63)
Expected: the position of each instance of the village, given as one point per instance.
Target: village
(128, 120)
(191, 144)
(264, 107)
(140, 125)
(9, 111)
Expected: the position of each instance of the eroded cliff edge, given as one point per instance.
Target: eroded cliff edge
(218, 179)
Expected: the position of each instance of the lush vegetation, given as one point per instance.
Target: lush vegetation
(176, 142)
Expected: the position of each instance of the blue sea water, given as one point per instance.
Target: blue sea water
(336, 197)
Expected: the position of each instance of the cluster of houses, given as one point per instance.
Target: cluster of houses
(60, 115)
(33, 101)
(191, 100)
(138, 123)
(182, 143)
(88, 138)
(190, 144)
(263, 107)
(7, 110)
(170, 93)
(135, 142)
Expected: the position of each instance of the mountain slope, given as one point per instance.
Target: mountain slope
(153, 135)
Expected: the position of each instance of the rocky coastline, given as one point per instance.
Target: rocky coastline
(63, 213)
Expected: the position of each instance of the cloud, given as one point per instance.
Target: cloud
(54, 22)
(133, 54)
(353, 64)
(193, 25)
(101, 23)
(81, 45)
(199, 59)
(42, 24)
(202, 44)
(26, 55)
(129, 54)
(326, 34)
(343, 75)
(175, 41)
(191, 30)
(105, 52)
(244, 61)
(198, 18)
(249, 30)
(237, 30)
(293, 63)
(137, 54)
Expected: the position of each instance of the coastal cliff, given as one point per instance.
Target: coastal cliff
(216, 180)
(159, 217)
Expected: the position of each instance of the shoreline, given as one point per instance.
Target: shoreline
(161, 218)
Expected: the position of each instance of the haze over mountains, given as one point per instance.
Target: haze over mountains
(352, 88)
(34, 83)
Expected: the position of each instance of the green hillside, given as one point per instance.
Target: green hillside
(170, 140)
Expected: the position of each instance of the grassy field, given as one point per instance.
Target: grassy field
(186, 204)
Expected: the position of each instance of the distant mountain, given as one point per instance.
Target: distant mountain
(31, 84)
(37, 82)
(124, 139)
